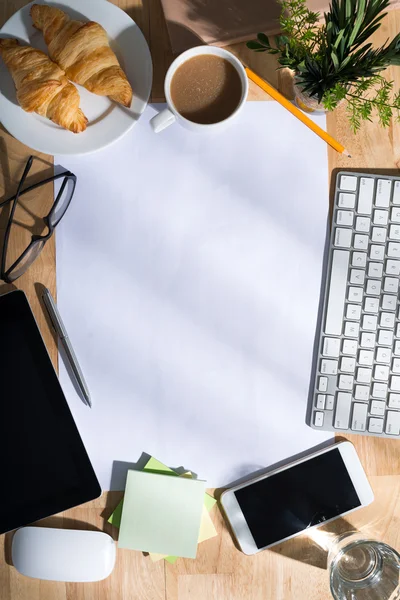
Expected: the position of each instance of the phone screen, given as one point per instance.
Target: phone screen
(297, 498)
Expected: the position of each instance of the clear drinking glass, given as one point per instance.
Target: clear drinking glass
(363, 569)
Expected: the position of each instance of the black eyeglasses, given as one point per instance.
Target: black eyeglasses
(37, 242)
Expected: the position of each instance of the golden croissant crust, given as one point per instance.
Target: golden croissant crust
(83, 52)
(42, 86)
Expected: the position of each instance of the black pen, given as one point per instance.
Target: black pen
(59, 328)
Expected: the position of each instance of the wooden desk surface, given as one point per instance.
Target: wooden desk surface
(296, 569)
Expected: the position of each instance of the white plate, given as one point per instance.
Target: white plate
(108, 121)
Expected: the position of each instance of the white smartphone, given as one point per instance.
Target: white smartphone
(300, 496)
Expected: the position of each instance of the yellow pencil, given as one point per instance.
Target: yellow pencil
(296, 112)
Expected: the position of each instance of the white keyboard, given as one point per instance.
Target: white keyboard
(356, 385)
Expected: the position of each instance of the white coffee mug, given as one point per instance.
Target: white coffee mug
(170, 114)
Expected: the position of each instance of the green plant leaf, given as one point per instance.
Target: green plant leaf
(253, 45)
(358, 22)
(263, 39)
(335, 60)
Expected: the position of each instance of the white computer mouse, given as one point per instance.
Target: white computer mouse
(63, 554)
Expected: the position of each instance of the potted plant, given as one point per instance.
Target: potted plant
(333, 60)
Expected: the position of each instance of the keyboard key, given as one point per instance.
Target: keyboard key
(329, 367)
(323, 384)
(331, 347)
(347, 365)
(337, 292)
(375, 425)
(343, 237)
(360, 241)
(359, 419)
(320, 401)
(394, 232)
(351, 329)
(366, 358)
(357, 276)
(347, 200)
(353, 312)
(355, 294)
(383, 355)
(388, 302)
(396, 348)
(369, 322)
(365, 196)
(348, 182)
(381, 217)
(375, 269)
(377, 408)
(377, 252)
(395, 215)
(373, 287)
(359, 259)
(387, 320)
(362, 393)
(395, 383)
(379, 390)
(330, 403)
(349, 347)
(385, 338)
(391, 285)
(345, 217)
(396, 193)
(318, 419)
(346, 382)
(394, 249)
(342, 413)
(392, 266)
(368, 340)
(396, 365)
(378, 235)
(398, 330)
(371, 305)
(392, 423)
(362, 224)
(364, 375)
(383, 189)
(381, 373)
(394, 401)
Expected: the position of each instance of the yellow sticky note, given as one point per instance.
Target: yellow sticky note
(207, 529)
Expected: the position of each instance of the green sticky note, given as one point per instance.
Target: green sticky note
(155, 466)
(161, 514)
(209, 501)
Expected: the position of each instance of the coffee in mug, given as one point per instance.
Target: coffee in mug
(206, 89)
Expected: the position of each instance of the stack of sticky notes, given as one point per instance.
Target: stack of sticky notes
(163, 515)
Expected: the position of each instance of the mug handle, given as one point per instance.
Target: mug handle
(164, 119)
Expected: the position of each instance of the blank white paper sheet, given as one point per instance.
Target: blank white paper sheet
(188, 276)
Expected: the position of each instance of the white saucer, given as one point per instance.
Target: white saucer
(108, 121)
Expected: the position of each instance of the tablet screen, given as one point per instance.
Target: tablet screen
(44, 465)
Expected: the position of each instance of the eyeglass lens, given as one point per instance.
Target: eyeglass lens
(63, 190)
(26, 260)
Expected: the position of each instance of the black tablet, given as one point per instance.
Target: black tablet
(44, 467)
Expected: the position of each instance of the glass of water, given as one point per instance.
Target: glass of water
(363, 569)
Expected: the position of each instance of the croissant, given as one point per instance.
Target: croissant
(83, 52)
(42, 86)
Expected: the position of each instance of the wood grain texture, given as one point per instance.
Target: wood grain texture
(294, 570)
